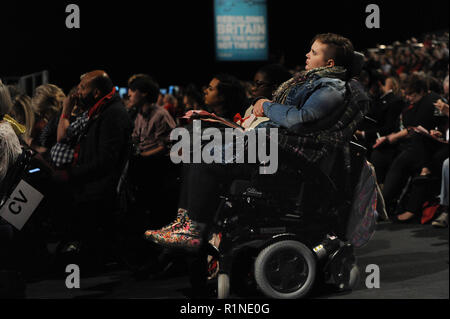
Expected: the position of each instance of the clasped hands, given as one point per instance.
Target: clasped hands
(258, 109)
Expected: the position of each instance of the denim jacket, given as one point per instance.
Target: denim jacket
(308, 102)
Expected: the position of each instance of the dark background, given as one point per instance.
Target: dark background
(174, 40)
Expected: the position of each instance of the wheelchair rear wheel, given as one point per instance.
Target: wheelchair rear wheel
(285, 270)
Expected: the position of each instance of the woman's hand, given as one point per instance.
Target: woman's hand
(258, 109)
(435, 133)
(380, 141)
(68, 104)
(392, 138)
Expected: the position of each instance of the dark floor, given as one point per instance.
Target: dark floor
(412, 259)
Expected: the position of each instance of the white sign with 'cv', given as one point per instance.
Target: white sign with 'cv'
(21, 204)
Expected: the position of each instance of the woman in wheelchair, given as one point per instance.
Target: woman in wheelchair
(309, 97)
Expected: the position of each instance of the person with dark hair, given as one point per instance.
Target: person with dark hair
(315, 92)
(99, 158)
(225, 96)
(268, 78)
(170, 104)
(152, 127)
(419, 112)
(338, 48)
(433, 175)
(192, 98)
(201, 183)
(153, 124)
(145, 85)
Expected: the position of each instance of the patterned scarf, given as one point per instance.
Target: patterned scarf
(19, 129)
(300, 78)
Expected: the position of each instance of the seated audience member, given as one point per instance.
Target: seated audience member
(9, 129)
(225, 96)
(71, 126)
(442, 219)
(11, 282)
(152, 128)
(160, 100)
(442, 104)
(99, 160)
(153, 124)
(425, 187)
(385, 112)
(23, 113)
(314, 93)
(424, 156)
(192, 99)
(267, 79)
(47, 103)
(420, 112)
(308, 97)
(169, 105)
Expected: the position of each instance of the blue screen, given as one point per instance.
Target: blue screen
(241, 30)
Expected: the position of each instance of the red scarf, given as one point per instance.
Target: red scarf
(94, 110)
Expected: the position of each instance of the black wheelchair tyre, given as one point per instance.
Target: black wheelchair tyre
(285, 270)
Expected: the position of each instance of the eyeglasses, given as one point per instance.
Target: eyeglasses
(259, 84)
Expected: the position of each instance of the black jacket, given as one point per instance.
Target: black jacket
(104, 149)
(386, 112)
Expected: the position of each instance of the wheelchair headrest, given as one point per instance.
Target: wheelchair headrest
(357, 64)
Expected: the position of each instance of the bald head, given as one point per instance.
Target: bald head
(93, 74)
(99, 80)
(93, 86)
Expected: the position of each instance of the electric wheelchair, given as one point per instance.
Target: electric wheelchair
(279, 233)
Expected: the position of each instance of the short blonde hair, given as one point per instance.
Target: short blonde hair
(47, 100)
